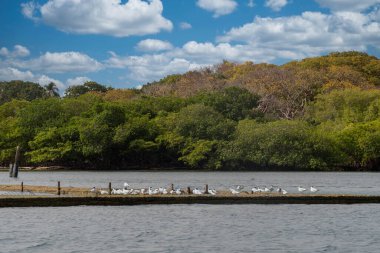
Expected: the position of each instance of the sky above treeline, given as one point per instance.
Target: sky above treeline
(125, 44)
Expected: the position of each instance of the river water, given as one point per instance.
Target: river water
(196, 228)
(192, 228)
(326, 182)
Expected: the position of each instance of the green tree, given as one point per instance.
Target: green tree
(90, 86)
(233, 103)
(20, 90)
(52, 90)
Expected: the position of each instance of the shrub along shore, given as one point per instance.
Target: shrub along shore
(320, 113)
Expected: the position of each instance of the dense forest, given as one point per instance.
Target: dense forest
(319, 113)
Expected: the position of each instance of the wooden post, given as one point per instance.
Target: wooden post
(15, 165)
(109, 188)
(172, 187)
(188, 190)
(59, 188)
(11, 170)
(206, 189)
(22, 186)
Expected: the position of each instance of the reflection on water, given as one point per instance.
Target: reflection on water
(326, 182)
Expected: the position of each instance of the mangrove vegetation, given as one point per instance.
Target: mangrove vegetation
(319, 113)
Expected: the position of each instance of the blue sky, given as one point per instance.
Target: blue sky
(128, 43)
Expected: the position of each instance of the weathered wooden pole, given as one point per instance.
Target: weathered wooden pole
(15, 165)
(206, 189)
(22, 186)
(59, 188)
(188, 190)
(109, 188)
(11, 170)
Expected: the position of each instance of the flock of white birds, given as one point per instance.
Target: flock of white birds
(126, 190)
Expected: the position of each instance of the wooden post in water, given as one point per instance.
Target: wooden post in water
(109, 188)
(22, 186)
(188, 190)
(59, 188)
(172, 187)
(11, 170)
(15, 165)
(206, 189)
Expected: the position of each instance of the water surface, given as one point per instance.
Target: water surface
(192, 228)
(327, 182)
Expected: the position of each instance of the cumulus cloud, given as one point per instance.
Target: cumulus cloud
(185, 25)
(263, 40)
(18, 51)
(311, 33)
(347, 5)
(4, 51)
(153, 45)
(192, 55)
(276, 5)
(77, 80)
(9, 74)
(61, 63)
(218, 7)
(109, 17)
(251, 3)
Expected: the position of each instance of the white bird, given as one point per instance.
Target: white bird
(150, 191)
(301, 189)
(126, 185)
(164, 191)
(178, 191)
(260, 189)
(233, 191)
(266, 189)
(142, 191)
(255, 189)
(212, 192)
(239, 187)
(197, 191)
(313, 189)
(93, 189)
(284, 192)
(161, 190)
(125, 191)
(102, 192)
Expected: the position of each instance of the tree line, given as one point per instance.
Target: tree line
(316, 114)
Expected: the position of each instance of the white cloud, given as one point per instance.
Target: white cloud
(251, 3)
(347, 5)
(61, 63)
(190, 56)
(77, 80)
(45, 80)
(309, 34)
(30, 10)
(218, 7)
(9, 74)
(4, 51)
(263, 40)
(18, 51)
(185, 25)
(109, 17)
(276, 5)
(153, 45)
